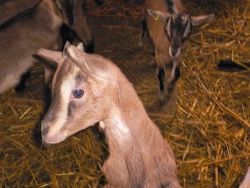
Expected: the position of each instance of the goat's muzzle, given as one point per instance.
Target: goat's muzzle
(174, 53)
(44, 129)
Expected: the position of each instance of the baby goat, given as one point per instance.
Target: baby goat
(88, 89)
(35, 28)
(169, 28)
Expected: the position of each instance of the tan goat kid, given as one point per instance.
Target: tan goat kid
(88, 89)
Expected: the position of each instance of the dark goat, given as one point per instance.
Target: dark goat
(169, 28)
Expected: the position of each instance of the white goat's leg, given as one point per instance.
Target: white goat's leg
(175, 74)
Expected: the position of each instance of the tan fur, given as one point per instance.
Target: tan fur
(159, 5)
(139, 155)
(246, 181)
(156, 29)
(38, 28)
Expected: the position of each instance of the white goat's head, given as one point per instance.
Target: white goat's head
(178, 28)
(80, 96)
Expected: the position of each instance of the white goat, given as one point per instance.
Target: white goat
(35, 28)
(169, 28)
(88, 89)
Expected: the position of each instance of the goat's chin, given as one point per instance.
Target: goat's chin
(55, 139)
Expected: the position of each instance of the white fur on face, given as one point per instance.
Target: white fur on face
(177, 53)
(188, 28)
(168, 28)
(65, 93)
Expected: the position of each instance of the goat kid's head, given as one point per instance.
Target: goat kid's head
(178, 28)
(80, 97)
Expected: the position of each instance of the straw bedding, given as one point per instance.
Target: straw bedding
(210, 130)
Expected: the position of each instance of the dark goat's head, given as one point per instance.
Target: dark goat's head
(178, 28)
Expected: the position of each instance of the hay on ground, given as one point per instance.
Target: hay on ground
(210, 132)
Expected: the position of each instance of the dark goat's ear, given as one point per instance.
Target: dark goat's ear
(200, 20)
(158, 15)
(67, 7)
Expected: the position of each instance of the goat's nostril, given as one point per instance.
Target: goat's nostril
(45, 130)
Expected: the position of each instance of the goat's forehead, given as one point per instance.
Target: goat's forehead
(180, 19)
(65, 71)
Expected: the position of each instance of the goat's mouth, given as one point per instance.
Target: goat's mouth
(54, 138)
(174, 53)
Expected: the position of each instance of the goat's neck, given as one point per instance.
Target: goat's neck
(127, 119)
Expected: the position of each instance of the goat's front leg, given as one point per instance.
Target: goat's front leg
(90, 48)
(143, 33)
(21, 85)
(175, 74)
(162, 93)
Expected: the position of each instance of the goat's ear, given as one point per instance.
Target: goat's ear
(80, 46)
(158, 16)
(89, 64)
(67, 43)
(200, 20)
(66, 7)
(48, 59)
(77, 56)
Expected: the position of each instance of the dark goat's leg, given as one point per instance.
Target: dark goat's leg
(22, 82)
(143, 32)
(90, 47)
(161, 77)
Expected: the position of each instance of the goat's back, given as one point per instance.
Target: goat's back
(164, 5)
(11, 8)
(22, 37)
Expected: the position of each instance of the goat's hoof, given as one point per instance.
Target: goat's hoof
(140, 44)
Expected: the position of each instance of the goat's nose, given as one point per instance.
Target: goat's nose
(44, 129)
(174, 52)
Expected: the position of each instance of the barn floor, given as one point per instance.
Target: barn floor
(207, 122)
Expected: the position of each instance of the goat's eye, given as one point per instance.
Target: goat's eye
(78, 93)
